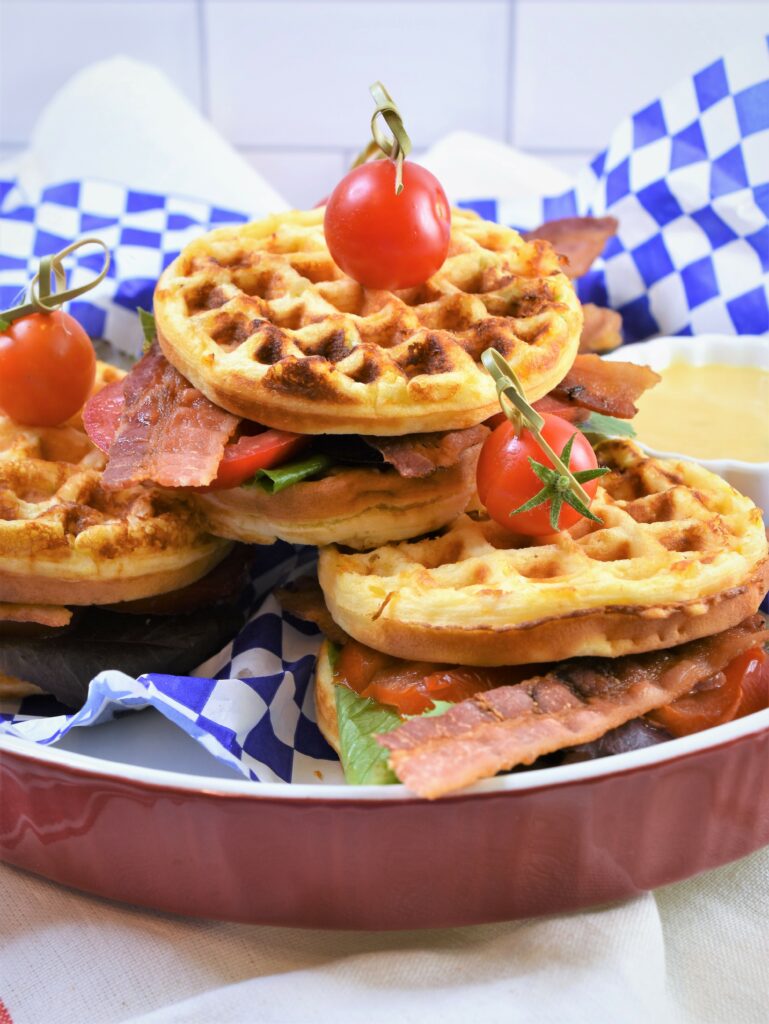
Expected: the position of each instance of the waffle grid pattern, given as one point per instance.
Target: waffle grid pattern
(58, 523)
(669, 529)
(259, 316)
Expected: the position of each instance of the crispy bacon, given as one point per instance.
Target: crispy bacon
(572, 704)
(169, 433)
(580, 239)
(41, 614)
(602, 329)
(419, 455)
(304, 599)
(603, 386)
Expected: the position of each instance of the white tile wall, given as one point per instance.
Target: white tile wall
(581, 67)
(286, 81)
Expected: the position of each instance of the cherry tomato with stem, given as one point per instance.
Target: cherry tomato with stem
(47, 368)
(506, 480)
(383, 240)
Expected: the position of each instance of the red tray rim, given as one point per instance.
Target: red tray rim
(544, 778)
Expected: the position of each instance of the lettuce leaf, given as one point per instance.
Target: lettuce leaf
(277, 479)
(599, 426)
(147, 320)
(360, 719)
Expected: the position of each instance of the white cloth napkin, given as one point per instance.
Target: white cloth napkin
(694, 952)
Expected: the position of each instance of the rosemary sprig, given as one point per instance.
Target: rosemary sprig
(561, 485)
(45, 299)
(396, 146)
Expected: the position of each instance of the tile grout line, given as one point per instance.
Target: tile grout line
(512, 26)
(205, 82)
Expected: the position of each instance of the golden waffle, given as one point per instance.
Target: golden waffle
(264, 323)
(679, 555)
(65, 540)
(355, 506)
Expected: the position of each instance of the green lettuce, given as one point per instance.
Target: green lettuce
(598, 426)
(360, 719)
(147, 320)
(277, 479)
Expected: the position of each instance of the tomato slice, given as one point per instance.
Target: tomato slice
(412, 687)
(250, 452)
(741, 689)
(753, 666)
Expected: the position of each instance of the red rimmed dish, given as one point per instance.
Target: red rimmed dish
(333, 856)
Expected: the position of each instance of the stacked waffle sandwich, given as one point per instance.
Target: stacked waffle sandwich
(379, 396)
(69, 547)
(376, 401)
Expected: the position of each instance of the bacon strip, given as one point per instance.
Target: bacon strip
(603, 386)
(602, 329)
(419, 455)
(42, 614)
(575, 703)
(580, 239)
(304, 599)
(169, 433)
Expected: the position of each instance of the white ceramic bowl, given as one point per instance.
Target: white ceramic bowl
(751, 478)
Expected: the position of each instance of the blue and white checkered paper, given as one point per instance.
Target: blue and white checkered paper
(688, 179)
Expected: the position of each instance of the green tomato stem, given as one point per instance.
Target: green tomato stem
(510, 387)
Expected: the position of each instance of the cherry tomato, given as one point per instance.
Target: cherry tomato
(384, 240)
(506, 480)
(47, 368)
(243, 457)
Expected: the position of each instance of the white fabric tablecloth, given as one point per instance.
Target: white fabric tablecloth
(694, 953)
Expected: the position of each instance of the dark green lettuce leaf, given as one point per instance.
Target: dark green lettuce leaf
(277, 479)
(597, 427)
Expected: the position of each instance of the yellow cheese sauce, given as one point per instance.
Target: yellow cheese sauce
(708, 412)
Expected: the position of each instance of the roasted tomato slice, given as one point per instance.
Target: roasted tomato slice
(250, 452)
(753, 667)
(741, 689)
(408, 686)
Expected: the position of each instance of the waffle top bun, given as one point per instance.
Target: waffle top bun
(680, 554)
(263, 322)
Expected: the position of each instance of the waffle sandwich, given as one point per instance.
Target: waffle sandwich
(383, 392)
(552, 641)
(67, 543)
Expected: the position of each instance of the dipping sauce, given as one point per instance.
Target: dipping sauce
(708, 412)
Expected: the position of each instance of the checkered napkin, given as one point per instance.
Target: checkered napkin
(688, 179)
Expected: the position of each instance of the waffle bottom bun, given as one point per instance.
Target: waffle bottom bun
(325, 698)
(357, 507)
(679, 555)
(86, 580)
(66, 540)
